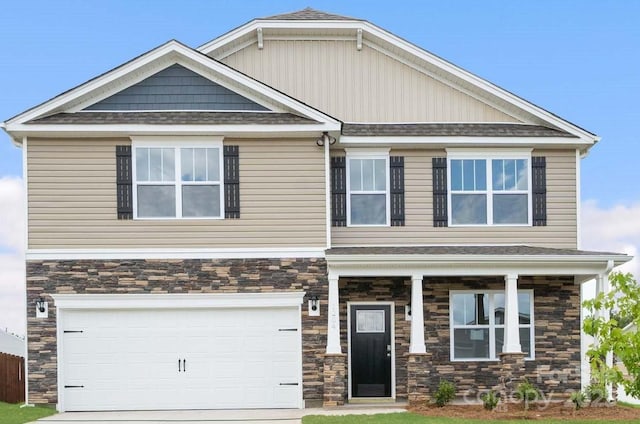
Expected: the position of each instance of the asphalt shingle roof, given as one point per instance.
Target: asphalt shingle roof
(309, 14)
(453, 129)
(463, 250)
(174, 118)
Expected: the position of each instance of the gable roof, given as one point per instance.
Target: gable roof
(310, 15)
(77, 99)
(312, 22)
(453, 130)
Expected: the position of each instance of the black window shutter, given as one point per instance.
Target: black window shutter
(396, 169)
(338, 191)
(231, 182)
(124, 182)
(440, 215)
(539, 190)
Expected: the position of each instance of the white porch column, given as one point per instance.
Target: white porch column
(417, 316)
(511, 315)
(333, 325)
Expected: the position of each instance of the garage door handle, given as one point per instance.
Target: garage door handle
(184, 365)
(179, 369)
(288, 384)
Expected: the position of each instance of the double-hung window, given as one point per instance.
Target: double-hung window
(178, 182)
(490, 190)
(368, 189)
(477, 324)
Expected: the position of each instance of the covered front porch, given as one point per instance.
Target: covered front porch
(400, 319)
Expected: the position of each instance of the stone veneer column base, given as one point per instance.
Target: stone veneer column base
(511, 373)
(335, 380)
(418, 372)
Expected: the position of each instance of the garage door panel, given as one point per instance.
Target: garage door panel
(235, 358)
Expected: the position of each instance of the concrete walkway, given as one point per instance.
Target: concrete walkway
(247, 416)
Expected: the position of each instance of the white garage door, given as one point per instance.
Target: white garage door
(181, 359)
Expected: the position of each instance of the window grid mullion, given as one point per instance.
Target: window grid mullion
(489, 167)
(178, 170)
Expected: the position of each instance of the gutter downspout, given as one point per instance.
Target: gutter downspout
(26, 246)
(327, 188)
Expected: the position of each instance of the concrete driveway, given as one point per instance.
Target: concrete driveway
(246, 416)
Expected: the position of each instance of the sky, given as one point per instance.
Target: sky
(579, 59)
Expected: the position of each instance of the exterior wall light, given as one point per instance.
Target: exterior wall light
(42, 308)
(314, 305)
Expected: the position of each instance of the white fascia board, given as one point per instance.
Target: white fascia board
(443, 141)
(177, 253)
(178, 300)
(412, 49)
(174, 50)
(493, 259)
(69, 130)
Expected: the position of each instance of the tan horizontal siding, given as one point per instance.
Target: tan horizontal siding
(561, 211)
(359, 86)
(72, 199)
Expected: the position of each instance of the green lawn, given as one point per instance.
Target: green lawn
(13, 414)
(408, 418)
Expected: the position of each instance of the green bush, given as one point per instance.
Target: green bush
(526, 392)
(578, 399)
(490, 400)
(597, 392)
(446, 393)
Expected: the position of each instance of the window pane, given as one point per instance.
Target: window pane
(142, 164)
(368, 209)
(155, 164)
(355, 176)
(380, 174)
(510, 209)
(525, 341)
(168, 165)
(456, 174)
(524, 308)
(156, 201)
(186, 163)
(523, 174)
(509, 174)
(464, 309)
(471, 343)
(481, 174)
(200, 200)
(498, 305)
(497, 168)
(469, 209)
(499, 340)
(367, 174)
(213, 165)
(468, 175)
(200, 164)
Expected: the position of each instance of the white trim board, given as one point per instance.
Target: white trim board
(175, 253)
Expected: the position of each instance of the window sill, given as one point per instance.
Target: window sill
(179, 219)
(488, 225)
(483, 360)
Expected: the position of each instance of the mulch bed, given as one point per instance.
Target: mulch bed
(537, 411)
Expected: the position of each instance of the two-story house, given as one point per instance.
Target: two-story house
(306, 210)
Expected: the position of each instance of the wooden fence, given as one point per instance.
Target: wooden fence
(12, 378)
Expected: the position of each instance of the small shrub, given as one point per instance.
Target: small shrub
(526, 392)
(578, 399)
(597, 393)
(446, 393)
(490, 400)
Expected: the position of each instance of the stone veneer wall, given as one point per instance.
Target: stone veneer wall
(171, 276)
(556, 368)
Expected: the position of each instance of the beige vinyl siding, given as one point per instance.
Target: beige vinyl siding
(358, 86)
(72, 199)
(560, 231)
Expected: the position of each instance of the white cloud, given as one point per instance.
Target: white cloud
(615, 229)
(12, 264)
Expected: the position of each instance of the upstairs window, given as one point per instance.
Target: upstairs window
(178, 182)
(490, 191)
(368, 190)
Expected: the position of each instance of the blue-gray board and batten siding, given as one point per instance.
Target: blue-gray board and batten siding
(176, 88)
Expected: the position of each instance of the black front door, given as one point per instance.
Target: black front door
(371, 350)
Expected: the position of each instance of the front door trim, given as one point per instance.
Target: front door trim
(393, 344)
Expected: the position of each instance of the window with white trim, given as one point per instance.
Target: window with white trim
(178, 182)
(490, 191)
(368, 190)
(477, 324)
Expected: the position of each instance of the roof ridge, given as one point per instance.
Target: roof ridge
(310, 14)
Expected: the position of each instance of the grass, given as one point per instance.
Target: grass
(408, 418)
(13, 414)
